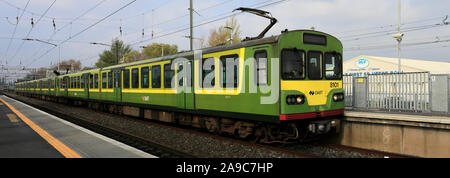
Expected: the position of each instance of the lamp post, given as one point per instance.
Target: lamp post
(59, 47)
(399, 37)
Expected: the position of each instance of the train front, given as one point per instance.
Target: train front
(312, 96)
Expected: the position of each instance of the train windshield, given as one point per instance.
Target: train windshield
(314, 65)
(292, 61)
(333, 65)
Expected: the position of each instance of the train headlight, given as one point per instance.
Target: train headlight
(295, 99)
(300, 99)
(338, 97)
(335, 97)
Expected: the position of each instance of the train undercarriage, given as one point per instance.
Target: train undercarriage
(267, 133)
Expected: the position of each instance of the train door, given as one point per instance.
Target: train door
(85, 84)
(65, 86)
(185, 89)
(117, 85)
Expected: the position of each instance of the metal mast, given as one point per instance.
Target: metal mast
(191, 32)
(399, 39)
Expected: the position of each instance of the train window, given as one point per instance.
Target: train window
(91, 81)
(292, 62)
(208, 70)
(261, 67)
(145, 77)
(110, 80)
(168, 75)
(104, 80)
(229, 76)
(96, 80)
(64, 82)
(314, 65)
(135, 78)
(333, 66)
(78, 82)
(156, 76)
(314, 39)
(82, 81)
(126, 78)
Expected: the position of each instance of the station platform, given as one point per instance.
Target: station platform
(26, 132)
(402, 133)
(431, 121)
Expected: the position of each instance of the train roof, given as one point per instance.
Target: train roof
(266, 40)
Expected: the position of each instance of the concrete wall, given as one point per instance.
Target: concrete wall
(392, 136)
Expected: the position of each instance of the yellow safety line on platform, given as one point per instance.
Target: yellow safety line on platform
(12, 118)
(58, 145)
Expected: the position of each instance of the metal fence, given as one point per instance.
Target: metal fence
(404, 92)
(401, 92)
(348, 88)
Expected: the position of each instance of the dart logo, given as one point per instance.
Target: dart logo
(312, 93)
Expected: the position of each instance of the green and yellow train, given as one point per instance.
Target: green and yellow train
(274, 89)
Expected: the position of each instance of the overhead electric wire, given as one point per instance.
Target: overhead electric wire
(23, 9)
(393, 46)
(389, 32)
(14, 32)
(69, 23)
(82, 31)
(204, 23)
(153, 9)
(180, 17)
(184, 25)
(390, 26)
(37, 22)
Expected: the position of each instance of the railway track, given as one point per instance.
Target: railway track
(314, 149)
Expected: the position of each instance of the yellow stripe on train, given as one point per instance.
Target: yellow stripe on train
(316, 92)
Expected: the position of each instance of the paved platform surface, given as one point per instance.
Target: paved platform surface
(31, 133)
(400, 117)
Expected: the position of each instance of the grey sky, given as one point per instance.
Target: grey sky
(372, 20)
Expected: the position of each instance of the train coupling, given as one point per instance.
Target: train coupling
(321, 127)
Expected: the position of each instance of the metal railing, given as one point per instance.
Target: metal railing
(348, 89)
(399, 92)
(404, 92)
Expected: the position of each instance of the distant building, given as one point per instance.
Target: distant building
(364, 65)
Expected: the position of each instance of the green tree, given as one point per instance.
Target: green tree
(156, 50)
(132, 56)
(109, 57)
(221, 35)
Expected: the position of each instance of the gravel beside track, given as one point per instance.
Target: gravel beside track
(193, 143)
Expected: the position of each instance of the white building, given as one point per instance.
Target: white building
(363, 65)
